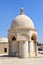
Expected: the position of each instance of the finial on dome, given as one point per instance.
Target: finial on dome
(21, 11)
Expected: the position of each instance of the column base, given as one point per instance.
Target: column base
(33, 55)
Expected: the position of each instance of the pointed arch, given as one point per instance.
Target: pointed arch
(34, 37)
(12, 37)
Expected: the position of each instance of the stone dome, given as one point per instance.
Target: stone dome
(22, 21)
(3, 39)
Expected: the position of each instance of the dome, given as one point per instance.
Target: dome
(3, 39)
(22, 21)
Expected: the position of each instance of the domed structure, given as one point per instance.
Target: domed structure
(3, 40)
(22, 37)
(22, 21)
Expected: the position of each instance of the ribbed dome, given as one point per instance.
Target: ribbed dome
(22, 21)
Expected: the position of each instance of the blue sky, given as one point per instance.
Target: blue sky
(11, 8)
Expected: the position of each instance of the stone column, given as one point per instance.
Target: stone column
(36, 49)
(31, 48)
(9, 48)
(23, 49)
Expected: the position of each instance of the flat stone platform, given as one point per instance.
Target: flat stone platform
(18, 61)
(5, 60)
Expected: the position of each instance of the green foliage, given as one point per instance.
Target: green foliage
(39, 44)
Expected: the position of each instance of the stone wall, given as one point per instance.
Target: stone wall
(4, 48)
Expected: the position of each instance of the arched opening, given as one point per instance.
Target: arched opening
(34, 38)
(13, 46)
(13, 38)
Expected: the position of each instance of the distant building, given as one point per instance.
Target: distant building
(3, 46)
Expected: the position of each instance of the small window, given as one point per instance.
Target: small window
(5, 50)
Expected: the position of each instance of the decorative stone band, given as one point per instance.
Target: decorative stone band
(21, 29)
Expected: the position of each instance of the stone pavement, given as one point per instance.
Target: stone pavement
(18, 61)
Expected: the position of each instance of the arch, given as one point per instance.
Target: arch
(34, 37)
(12, 36)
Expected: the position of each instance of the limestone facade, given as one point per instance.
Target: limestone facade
(4, 46)
(22, 37)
